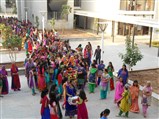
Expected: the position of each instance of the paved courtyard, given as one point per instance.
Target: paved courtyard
(22, 105)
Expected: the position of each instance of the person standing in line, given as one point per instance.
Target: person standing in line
(45, 111)
(104, 84)
(4, 73)
(1, 84)
(32, 83)
(15, 78)
(110, 69)
(28, 67)
(123, 72)
(104, 114)
(82, 112)
(97, 54)
(53, 106)
(146, 98)
(134, 91)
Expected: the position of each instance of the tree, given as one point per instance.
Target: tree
(14, 10)
(12, 43)
(6, 31)
(132, 55)
(66, 10)
(37, 21)
(52, 22)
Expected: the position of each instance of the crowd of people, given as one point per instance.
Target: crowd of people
(61, 73)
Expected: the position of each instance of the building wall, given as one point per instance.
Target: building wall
(3, 5)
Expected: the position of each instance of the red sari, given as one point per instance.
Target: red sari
(15, 78)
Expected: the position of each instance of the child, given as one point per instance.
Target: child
(125, 102)
(118, 90)
(104, 114)
(82, 112)
(32, 80)
(45, 111)
(53, 108)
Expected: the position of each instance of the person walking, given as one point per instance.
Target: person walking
(146, 98)
(97, 54)
(123, 72)
(134, 91)
(1, 84)
(104, 84)
(82, 112)
(125, 102)
(92, 78)
(15, 78)
(110, 69)
(5, 88)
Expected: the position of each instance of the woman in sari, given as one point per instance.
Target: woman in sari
(146, 98)
(92, 78)
(5, 88)
(71, 110)
(134, 91)
(104, 84)
(123, 72)
(45, 111)
(118, 90)
(125, 102)
(110, 69)
(41, 77)
(15, 78)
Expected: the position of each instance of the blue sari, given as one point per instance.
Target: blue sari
(71, 110)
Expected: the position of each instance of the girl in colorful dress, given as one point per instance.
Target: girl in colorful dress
(101, 67)
(82, 112)
(32, 83)
(123, 72)
(15, 78)
(119, 89)
(5, 88)
(134, 91)
(59, 79)
(125, 102)
(45, 111)
(53, 106)
(110, 69)
(92, 78)
(146, 98)
(104, 84)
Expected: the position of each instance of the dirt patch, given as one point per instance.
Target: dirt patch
(76, 33)
(146, 75)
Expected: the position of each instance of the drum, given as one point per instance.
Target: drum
(72, 100)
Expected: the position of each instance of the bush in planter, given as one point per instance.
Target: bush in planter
(132, 55)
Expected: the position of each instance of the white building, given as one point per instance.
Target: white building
(85, 13)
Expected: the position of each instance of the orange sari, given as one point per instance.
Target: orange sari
(134, 96)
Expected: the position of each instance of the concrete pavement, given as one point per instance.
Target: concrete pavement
(111, 53)
(22, 105)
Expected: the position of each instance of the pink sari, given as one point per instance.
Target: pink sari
(118, 91)
(41, 80)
